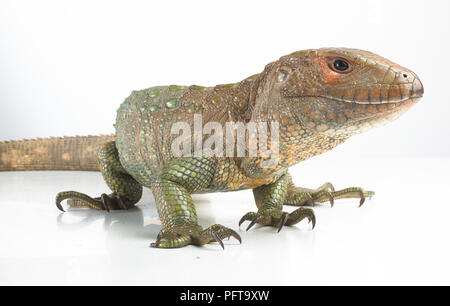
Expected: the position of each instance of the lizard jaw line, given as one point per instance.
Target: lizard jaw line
(369, 102)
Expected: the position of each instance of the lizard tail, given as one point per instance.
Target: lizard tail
(62, 153)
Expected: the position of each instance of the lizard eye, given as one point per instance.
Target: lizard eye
(340, 65)
(282, 75)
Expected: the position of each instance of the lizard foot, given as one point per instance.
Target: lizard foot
(193, 234)
(299, 196)
(277, 218)
(104, 202)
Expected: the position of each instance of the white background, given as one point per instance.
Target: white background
(65, 66)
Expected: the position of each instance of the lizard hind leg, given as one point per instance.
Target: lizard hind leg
(299, 196)
(126, 191)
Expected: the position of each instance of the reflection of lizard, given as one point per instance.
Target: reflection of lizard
(319, 98)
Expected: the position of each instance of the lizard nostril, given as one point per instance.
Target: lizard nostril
(405, 75)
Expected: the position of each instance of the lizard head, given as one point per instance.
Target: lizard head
(342, 92)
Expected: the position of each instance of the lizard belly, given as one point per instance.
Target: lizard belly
(229, 177)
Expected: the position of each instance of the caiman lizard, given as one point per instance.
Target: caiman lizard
(317, 98)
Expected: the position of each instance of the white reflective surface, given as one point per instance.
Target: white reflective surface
(401, 236)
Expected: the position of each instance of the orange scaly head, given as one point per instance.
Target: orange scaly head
(340, 92)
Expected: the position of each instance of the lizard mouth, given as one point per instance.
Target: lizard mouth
(376, 93)
(366, 102)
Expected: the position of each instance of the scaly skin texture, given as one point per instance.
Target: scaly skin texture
(57, 153)
(319, 98)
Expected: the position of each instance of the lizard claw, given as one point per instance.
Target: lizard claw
(283, 221)
(247, 217)
(121, 203)
(278, 218)
(218, 232)
(105, 201)
(268, 216)
(254, 221)
(326, 193)
(330, 198)
(217, 238)
(193, 234)
(301, 213)
(235, 235)
(363, 198)
(113, 202)
(58, 203)
(312, 220)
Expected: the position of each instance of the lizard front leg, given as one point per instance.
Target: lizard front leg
(299, 196)
(269, 200)
(172, 192)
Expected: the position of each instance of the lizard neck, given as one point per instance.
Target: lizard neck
(297, 141)
(242, 99)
